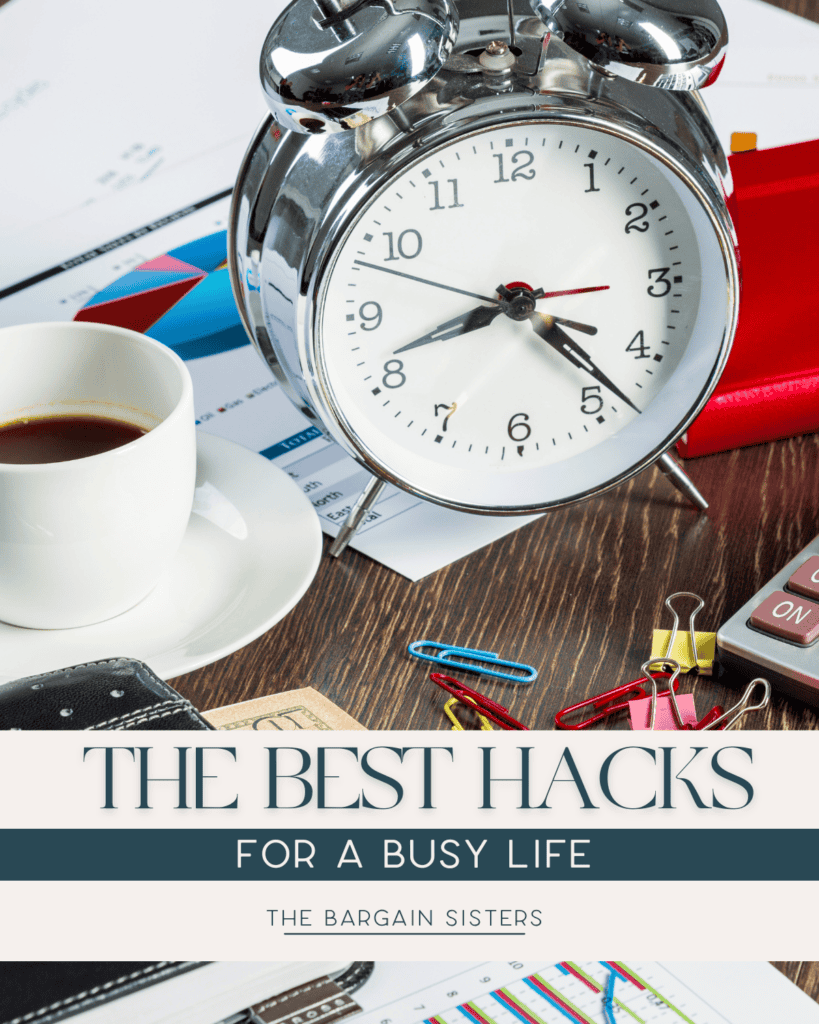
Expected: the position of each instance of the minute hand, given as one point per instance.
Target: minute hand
(545, 327)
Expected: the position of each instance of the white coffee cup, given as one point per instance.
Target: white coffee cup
(84, 540)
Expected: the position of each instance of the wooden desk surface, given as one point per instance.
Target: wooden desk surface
(575, 593)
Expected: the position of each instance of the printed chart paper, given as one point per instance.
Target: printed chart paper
(582, 992)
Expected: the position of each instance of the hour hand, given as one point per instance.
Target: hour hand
(482, 316)
(560, 341)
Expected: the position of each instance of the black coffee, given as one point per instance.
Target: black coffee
(62, 438)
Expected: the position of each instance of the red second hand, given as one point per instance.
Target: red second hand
(556, 295)
(575, 291)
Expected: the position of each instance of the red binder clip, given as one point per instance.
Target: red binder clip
(604, 701)
(489, 708)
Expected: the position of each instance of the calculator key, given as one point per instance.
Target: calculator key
(788, 616)
(806, 578)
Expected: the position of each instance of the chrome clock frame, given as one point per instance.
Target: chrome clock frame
(298, 196)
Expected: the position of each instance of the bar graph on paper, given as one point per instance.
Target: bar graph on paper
(601, 992)
(580, 992)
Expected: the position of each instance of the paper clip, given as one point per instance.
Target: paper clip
(742, 707)
(691, 632)
(495, 712)
(446, 654)
(485, 724)
(634, 688)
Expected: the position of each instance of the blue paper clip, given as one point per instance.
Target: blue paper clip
(446, 655)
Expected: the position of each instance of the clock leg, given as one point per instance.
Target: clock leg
(366, 500)
(681, 480)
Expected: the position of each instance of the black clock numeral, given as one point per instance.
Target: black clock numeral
(523, 157)
(393, 368)
(454, 183)
(662, 279)
(636, 223)
(638, 346)
(591, 187)
(373, 319)
(408, 241)
(591, 403)
(518, 428)
(449, 408)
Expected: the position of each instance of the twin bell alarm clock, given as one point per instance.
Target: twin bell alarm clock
(487, 250)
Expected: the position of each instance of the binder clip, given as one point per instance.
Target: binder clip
(694, 652)
(459, 657)
(668, 710)
(487, 707)
(679, 713)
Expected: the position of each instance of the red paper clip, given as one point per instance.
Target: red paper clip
(489, 708)
(634, 688)
(713, 716)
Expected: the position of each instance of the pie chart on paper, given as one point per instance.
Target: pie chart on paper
(182, 299)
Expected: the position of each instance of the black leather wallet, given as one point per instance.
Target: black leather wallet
(117, 693)
(36, 992)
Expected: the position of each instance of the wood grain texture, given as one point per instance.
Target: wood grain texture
(804, 973)
(575, 593)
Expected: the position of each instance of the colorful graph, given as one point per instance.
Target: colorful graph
(182, 299)
(594, 992)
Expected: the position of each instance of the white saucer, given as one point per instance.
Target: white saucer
(251, 550)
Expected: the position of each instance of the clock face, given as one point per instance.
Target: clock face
(522, 317)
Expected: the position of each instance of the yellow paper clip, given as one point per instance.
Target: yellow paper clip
(691, 650)
(486, 725)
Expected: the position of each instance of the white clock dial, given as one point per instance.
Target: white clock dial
(522, 316)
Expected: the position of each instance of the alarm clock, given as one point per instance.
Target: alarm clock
(486, 250)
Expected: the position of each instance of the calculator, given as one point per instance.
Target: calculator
(776, 633)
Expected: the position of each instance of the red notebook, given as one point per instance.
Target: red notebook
(770, 387)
